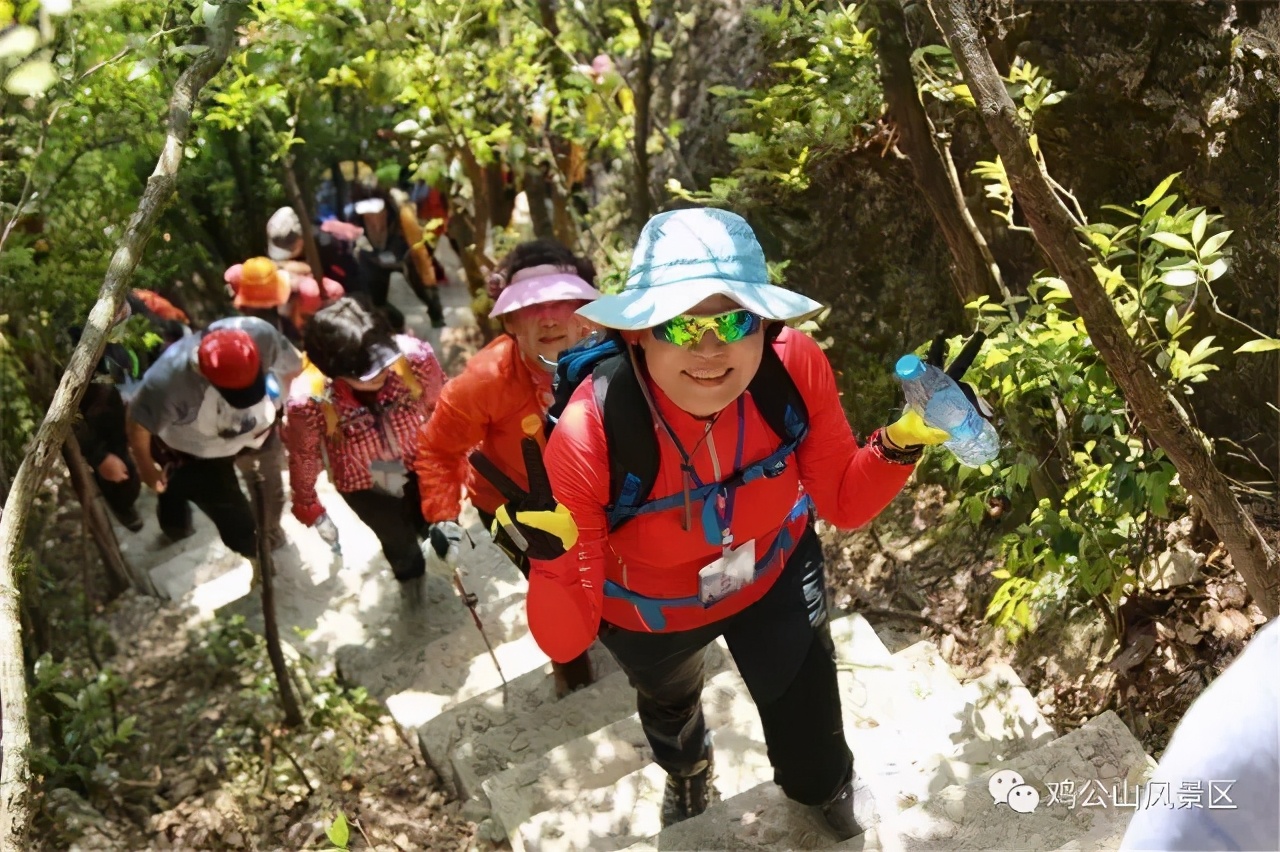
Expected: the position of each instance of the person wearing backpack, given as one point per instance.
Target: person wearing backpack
(688, 466)
(361, 408)
(503, 395)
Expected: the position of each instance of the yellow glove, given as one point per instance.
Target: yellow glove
(557, 523)
(910, 431)
(534, 521)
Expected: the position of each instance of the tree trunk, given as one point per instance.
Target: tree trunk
(1055, 231)
(974, 272)
(15, 739)
(547, 14)
(299, 203)
(642, 203)
(120, 574)
(537, 190)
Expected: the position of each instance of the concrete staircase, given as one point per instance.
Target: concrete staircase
(577, 774)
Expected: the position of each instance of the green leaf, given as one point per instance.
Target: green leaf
(1215, 242)
(142, 68)
(962, 93)
(1173, 241)
(339, 832)
(1203, 349)
(67, 700)
(32, 77)
(1159, 191)
(1265, 344)
(1179, 277)
(18, 42)
(1171, 319)
(1216, 270)
(1198, 226)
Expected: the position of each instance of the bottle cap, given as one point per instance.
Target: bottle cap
(909, 367)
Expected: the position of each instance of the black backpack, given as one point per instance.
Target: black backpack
(631, 435)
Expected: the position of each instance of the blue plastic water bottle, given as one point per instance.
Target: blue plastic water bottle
(943, 405)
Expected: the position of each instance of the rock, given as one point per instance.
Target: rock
(1231, 625)
(1175, 567)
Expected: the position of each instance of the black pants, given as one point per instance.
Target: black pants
(782, 646)
(383, 513)
(212, 486)
(376, 282)
(121, 496)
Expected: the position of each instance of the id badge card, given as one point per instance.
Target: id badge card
(734, 569)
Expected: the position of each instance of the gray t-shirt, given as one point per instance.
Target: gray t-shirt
(182, 408)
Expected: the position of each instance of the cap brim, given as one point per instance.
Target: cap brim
(277, 253)
(646, 307)
(555, 287)
(383, 357)
(245, 397)
(283, 291)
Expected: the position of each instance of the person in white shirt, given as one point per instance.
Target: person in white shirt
(210, 405)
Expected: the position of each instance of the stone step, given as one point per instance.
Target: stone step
(957, 817)
(417, 679)
(603, 791)
(1103, 755)
(535, 722)
(328, 604)
(465, 739)
(913, 721)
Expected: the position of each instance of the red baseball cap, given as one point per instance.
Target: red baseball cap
(229, 359)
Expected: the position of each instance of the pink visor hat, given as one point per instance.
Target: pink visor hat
(539, 284)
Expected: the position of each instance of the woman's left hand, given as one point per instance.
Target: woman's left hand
(910, 431)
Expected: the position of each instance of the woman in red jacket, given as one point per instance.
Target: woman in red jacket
(751, 442)
(503, 394)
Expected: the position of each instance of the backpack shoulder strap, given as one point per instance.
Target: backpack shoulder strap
(778, 399)
(629, 435)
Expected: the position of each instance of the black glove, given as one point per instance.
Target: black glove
(533, 520)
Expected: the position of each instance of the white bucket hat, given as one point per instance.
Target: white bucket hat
(685, 256)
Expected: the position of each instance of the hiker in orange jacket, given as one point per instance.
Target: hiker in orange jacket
(505, 390)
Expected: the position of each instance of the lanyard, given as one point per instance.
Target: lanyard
(717, 512)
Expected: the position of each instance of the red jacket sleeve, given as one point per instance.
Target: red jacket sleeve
(304, 428)
(849, 484)
(457, 426)
(566, 595)
(430, 375)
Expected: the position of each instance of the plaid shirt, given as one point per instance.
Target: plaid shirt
(361, 435)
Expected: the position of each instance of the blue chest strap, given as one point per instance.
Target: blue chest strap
(651, 609)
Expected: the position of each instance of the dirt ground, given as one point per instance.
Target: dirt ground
(913, 581)
(211, 767)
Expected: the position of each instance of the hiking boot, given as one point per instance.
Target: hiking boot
(689, 795)
(839, 811)
(175, 535)
(572, 675)
(129, 519)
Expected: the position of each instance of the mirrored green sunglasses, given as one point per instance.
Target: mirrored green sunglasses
(729, 327)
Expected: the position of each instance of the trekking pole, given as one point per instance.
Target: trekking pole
(471, 602)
